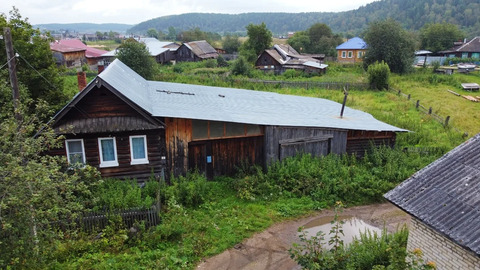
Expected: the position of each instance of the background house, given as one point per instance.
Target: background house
(92, 55)
(195, 51)
(444, 202)
(130, 127)
(352, 51)
(67, 56)
(282, 57)
(469, 49)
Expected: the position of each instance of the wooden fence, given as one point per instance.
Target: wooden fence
(428, 110)
(312, 84)
(98, 220)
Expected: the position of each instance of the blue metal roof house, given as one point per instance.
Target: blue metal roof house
(444, 201)
(352, 51)
(128, 126)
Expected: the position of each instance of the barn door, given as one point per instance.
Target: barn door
(200, 158)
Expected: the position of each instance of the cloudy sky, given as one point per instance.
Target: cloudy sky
(136, 11)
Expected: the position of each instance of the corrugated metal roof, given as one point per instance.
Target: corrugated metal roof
(164, 99)
(89, 51)
(355, 43)
(55, 46)
(445, 195)
(202, 49)
(315, 65)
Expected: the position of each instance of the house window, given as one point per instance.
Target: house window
(476, 55)
(75, 151)
(464, 55)
(344, 54)
(108, 152)
(350, 54)
(138, 150)
(360, 54)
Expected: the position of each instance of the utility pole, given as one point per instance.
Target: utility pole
(12, 69)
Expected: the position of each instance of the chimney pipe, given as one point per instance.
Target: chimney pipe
(100, 68)
(82, 80)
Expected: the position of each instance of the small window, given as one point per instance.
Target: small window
(253, 130)
(360, 54)
(344, 54)
(464, 55)
(476, 55)
(138, 150)
(75, 151)
(199, 129)
(451, 55)
(350, 54)
(216, 129)
(108, 152)
(234, 129)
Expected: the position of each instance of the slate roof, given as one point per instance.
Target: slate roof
(287, 56)
(164, 99)
(355, 43)
(471, 46)
(202, 49)
(445, 195)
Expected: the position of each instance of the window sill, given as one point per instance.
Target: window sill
(110, 164)
(139, 162)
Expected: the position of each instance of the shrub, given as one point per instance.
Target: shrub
(211, 63)
(221, 62)
(123, 194)
(189, 191)
(241, 67)
(378, 75)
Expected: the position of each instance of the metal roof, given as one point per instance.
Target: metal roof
(154, 46)
(55, 46)
(164, 99)
(202, 49)
(445, 195)
(77, 43)
(355, 43)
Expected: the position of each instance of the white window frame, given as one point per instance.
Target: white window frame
(84, 161)
(350, 54)
(110, 163)
(359, 54)
(138, 160)
(344, 54)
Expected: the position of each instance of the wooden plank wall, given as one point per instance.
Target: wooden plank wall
(156, 149)
(178, 133)
(275, 134)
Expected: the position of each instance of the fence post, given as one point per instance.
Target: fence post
(430, 110)
(399, 92)
(409, 96)
(446, 120)
(418, 104)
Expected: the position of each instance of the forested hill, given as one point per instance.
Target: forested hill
(413, 14)
(85, 27)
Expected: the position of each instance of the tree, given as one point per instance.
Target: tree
(231, 44)
(172, 33)
(389, 42)
(317, 39)
(378, 75)
(259, 38)
(241, 67)
(152, 33)
(36, 190)
(36, 68)
(136, 55)
(439, 36)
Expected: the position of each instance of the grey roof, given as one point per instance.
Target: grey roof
(445, 195)
(164, 99)
(288, 57)
(154, 46)
(202, 49)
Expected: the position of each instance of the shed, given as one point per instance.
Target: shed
(92, 55)
(444, 201)
(195, 51)
(213, 129)
(68, 56)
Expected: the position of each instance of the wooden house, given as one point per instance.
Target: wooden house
(282, 57)
(443, 200)
(67, 56)
(195, 51)
(162, 51)
(352, 51)
(470, 49)
(130, 127)
(92, 55)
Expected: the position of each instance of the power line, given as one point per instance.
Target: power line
(36, 71)
(7, 62)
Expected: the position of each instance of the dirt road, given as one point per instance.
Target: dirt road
(269, 249)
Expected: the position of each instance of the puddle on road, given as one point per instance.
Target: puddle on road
(351, 228)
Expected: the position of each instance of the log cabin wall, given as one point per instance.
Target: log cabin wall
(360, 141)
(155, 149)
(281, 142)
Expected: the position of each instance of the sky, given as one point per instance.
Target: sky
(136, 11)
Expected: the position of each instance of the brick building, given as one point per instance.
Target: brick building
(444, 201)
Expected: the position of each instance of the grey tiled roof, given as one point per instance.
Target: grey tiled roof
(164, 99)
(445, 195)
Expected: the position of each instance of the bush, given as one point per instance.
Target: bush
(241, 67)
(123, 194)
(221, 62)
(189, 191)
(211, 63)
(378, 75)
